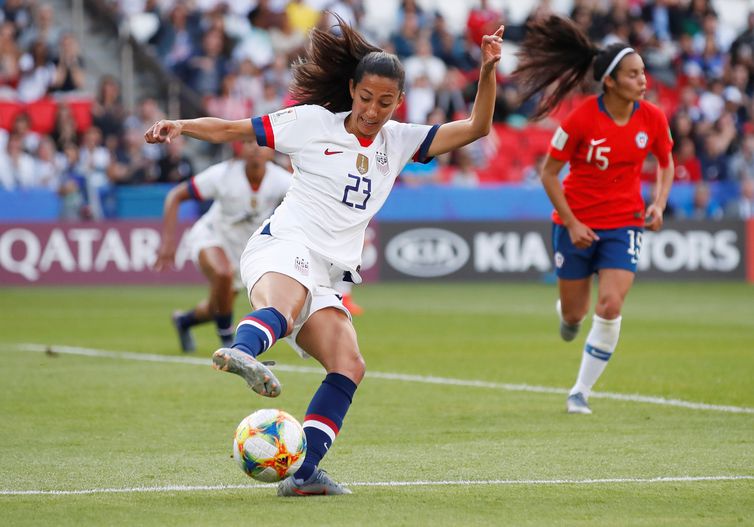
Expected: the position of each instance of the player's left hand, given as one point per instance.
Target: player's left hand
(492, 47)
(653, 218)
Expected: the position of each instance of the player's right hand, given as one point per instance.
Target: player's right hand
(165, 258)
(581, 235)
(163, 131)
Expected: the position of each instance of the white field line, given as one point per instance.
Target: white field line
(422, 379)
(441, 483)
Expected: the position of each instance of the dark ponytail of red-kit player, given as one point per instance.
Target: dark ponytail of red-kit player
(556, 52)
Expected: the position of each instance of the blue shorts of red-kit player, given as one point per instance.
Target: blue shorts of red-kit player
(616, 249)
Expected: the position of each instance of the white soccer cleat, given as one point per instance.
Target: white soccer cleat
(256, 374)
(576, 404)
(320, 484)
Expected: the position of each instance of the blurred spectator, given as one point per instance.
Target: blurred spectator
(72, 189)
(64, 131)
(285, 40)
(466, 174)
(404, 40)
(450, 95)
(249, 81)
(22, 128)
(301, 16)
(37, 73)
(270, 101)
(108, 113)
(147, 113)
(43, 29)
(420, 99)
(204, 71)
(17, 12)
(48, 167)
(688, 168)
(17, 168)
(742, 162)
(9, 58)
(94, 161)
(69, 66)
(702, 207)
(264, 16)
(423, 63)
(482, 20)
(174, 166)
(175, 36)
(742, 208)
(229, 104)
(450, 48)
(130, 166)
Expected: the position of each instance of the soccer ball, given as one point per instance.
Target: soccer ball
(269, 445)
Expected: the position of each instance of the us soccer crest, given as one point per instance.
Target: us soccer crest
(362, 164)
(641, 139)
(382, 166)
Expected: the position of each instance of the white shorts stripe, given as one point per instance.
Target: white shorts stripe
(260, 327)
(320, 426)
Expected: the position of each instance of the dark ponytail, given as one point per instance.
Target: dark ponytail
(554, 51)
(331, 60)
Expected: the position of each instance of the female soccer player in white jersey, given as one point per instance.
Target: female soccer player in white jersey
(245, 190)
(346, 154)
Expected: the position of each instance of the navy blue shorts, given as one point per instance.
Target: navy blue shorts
(616, 249)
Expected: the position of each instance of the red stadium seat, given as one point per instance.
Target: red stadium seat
(8, 112)
(42, 115)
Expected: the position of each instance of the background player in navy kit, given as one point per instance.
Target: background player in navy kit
(245, 190)
(346, 154)
(599, 212)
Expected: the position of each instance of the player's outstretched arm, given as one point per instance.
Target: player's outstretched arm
(166, 251)
(211, 129)
(456, 134)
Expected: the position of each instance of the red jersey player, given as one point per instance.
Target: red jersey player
(599, 213)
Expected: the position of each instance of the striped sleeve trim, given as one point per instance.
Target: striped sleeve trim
(263, 131)
(421, 154)
(193, 190)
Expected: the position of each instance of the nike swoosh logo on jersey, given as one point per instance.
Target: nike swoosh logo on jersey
(596, 142)
(329, 152)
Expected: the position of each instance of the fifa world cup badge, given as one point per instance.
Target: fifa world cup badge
(362, 164)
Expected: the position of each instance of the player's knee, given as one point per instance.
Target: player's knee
(609, 306)
(355, 367)
(223, 276)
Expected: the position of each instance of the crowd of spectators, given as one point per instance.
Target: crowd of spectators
(56, 135)
(236, 56)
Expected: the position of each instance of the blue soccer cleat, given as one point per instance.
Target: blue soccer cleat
(184, 334)
(319, 484)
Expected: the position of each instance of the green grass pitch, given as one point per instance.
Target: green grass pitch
(420, 450)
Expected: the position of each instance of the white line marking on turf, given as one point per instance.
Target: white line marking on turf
(441, 483)
(423, 379)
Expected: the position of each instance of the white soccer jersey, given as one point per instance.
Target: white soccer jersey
(339, 182)
(238, 210)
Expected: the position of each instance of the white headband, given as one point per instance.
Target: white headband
(622, 53)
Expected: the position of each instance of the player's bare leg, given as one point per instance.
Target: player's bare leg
(277, 300)
(220, 272)
(614, 285)
(329, 337)
(573, 305)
